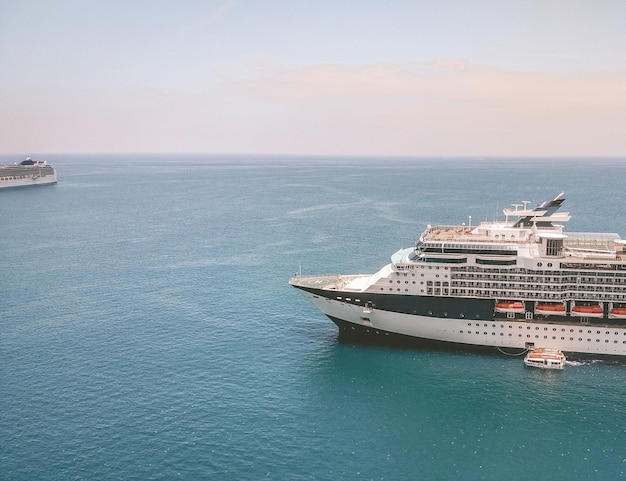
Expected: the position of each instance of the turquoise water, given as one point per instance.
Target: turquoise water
(147, 330)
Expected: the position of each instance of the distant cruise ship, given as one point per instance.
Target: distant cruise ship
(27, 172)
(519, 283)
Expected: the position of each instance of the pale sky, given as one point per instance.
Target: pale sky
(357, 77)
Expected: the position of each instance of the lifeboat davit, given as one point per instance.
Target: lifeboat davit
(618, 313)
(510, 306)
(588, 311)
(550, 309)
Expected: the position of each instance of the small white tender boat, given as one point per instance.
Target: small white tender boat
(545, 358)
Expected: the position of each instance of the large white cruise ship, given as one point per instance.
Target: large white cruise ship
(27, 172)
(520, 283)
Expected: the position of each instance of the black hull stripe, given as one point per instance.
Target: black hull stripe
(453, 307)
(442, 307)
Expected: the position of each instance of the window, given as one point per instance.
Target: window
(553, 247)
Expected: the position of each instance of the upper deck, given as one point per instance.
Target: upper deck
(535, 233)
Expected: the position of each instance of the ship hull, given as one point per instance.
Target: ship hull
(28, 181)
(478, 328)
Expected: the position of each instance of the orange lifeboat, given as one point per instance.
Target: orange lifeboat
(618, 313)
(510, 306)
(550, 309)
(545, 358)
(594, 310)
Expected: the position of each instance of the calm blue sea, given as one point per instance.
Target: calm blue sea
(147, 330)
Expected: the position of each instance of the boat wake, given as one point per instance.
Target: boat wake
(575, 363)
